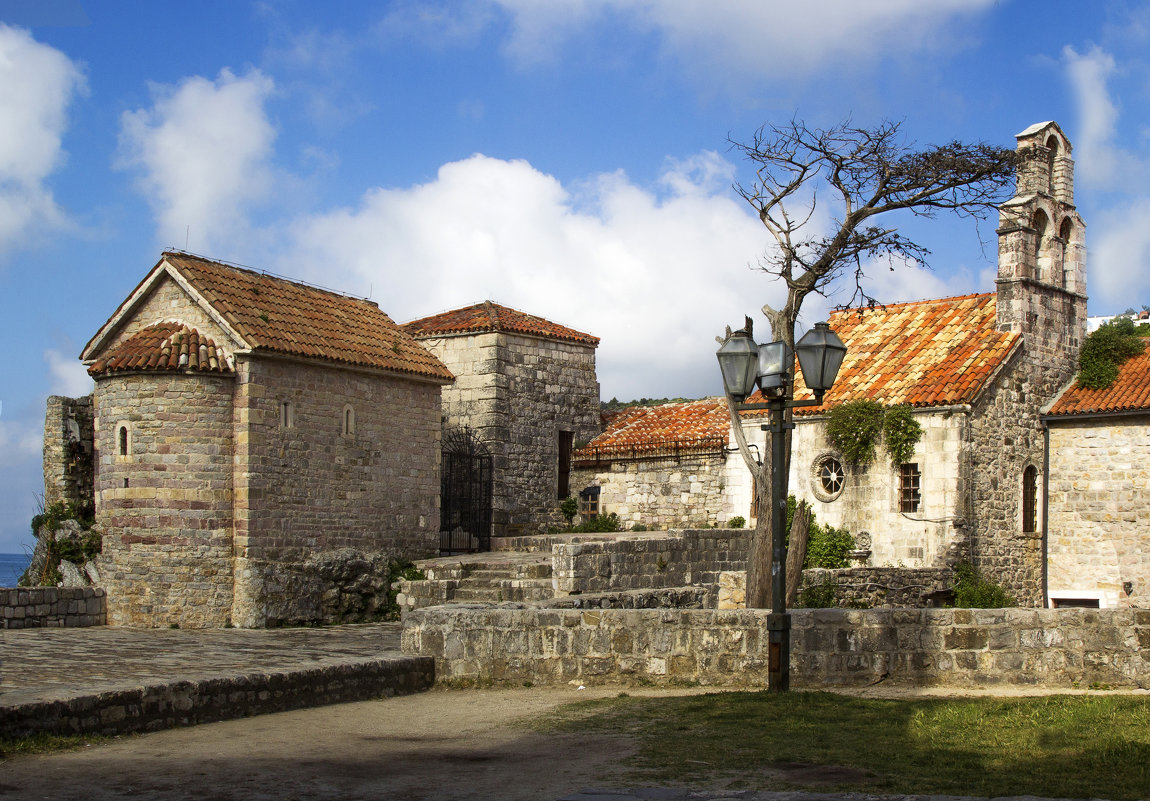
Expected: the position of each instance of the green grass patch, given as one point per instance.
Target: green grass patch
(1057, 746)
(48, 744)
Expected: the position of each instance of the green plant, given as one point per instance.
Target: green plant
(569, 508)
(901, 432)
(1104, 351)
(661, 564)
(973, 591)
(602, 523)
(827, 547)
(854, 429)
(398, 570)
(638, 527)
(818, 596)
(738, 521)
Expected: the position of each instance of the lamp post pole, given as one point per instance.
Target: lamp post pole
(779, 620)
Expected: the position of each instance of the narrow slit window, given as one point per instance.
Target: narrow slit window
(287, 415)
(909, 487)
(348, 421)
(566, 445)
(123, 439)
(1030, 499)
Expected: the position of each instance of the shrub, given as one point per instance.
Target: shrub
(901, 432)
(738, 521)
(598, 524)
(854, 429)
(569, 508)
(973, 591)
(1104, 351)
(827, 546)
(638, 527)
(818, 596)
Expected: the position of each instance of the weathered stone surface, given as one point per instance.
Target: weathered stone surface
(52, 607)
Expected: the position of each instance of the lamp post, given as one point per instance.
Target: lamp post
(743, 365)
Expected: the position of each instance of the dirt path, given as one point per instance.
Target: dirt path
(444, 744)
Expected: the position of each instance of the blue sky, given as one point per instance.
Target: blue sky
(568, 158)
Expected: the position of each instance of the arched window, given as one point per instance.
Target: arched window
(348, 427)
(122, 438)
(287, 415)
(1029, 499)
(1040, 222)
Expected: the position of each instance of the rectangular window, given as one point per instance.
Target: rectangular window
(566, 444)
(909, 487)
(287, 415)
(589, 503)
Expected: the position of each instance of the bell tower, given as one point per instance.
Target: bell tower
(1042, 251)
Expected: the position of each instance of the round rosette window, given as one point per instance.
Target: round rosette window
(828, 477)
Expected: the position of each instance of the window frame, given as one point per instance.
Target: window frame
(909, 488)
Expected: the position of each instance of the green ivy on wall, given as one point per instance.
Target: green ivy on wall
(855, 428)
(1104, 351)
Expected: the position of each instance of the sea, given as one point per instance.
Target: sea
(11, 566)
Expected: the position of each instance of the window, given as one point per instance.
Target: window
(909, 487)
(589, 503)
(348, 428)
(828, 477)
(1029, 499)
(287, 415)
(566, 444)
(123, 438)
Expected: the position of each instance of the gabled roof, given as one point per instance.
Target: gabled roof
(926, 353)
(266, 314)
(1130, 392)
(644, 430)
(164, 347)
(489, 316)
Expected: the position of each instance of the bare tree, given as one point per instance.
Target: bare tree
(865, 173)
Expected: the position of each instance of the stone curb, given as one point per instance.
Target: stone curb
(679, 794)
(189, 702)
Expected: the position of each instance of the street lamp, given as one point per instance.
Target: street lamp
(744, 364)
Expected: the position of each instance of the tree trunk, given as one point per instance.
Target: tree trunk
(759, 556)
(797, 550)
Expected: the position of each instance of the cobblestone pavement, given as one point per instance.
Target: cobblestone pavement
(55, 664)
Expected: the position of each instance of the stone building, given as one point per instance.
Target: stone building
(1097, 491)
(977, 371)
(261, 448)
(525, 394)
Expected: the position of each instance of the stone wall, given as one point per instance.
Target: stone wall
(165, 506)
(659, 493)
(829, 647)
(1099, 544)
(309, 487)
(69, 463)
(858, 587)
(52, 607)
(519, 393)
(684, 558)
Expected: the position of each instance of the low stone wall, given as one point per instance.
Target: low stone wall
(186, 703)
(666, 598)
(692, 556)
(52, 607)
(829, 647)
(872, 587)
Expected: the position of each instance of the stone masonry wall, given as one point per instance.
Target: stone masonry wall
(689, 557)
(1099, 508)
(519, 393)
(69, 464)
(166, 507)
(52, 607)
(308, 488)
(659, 493)
(829, 647)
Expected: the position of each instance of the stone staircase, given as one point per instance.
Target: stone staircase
(479, 578)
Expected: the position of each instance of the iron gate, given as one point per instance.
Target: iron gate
(465, 493)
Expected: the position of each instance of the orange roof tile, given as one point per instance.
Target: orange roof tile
(642, 429)
(1130, 392)
(165, 347)
(490, 316)
(925, 353)
(277, 315)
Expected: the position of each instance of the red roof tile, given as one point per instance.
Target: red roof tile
(489, 316)
(164, 347)
(1129, 392)
(926, 353)
(642, 429)
(277, 315)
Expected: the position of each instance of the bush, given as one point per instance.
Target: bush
(602, 523)
(638, 527)
(738, 521)
(569, 508)
(827, 546)
(1104, 351)
(854, 429)
(818, 596)
(972, 591)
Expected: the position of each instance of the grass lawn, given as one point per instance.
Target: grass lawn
(1063, 746)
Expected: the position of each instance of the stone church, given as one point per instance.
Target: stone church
(978, 371)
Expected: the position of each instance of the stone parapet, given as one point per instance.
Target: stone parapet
(52, 607)
(829, 647)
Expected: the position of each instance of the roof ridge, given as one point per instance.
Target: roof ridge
(245, 268)
(924, 301)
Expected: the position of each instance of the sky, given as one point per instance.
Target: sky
(569, 158)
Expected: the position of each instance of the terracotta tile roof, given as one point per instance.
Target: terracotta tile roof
(164, 347)
(490, 316)
(925, 353)
(277, 315)
(1130, 392)
(646, 430)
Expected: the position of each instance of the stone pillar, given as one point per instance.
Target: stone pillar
(68, 452)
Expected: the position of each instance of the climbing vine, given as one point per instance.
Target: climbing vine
(1104, 351)
(855, 428)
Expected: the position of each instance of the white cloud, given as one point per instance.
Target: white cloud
(19, 440)
(748, 38)
(69, 376)
(657, 277)
(203, 150)
(37, 82)
(1096, 157)
(1120, 257)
